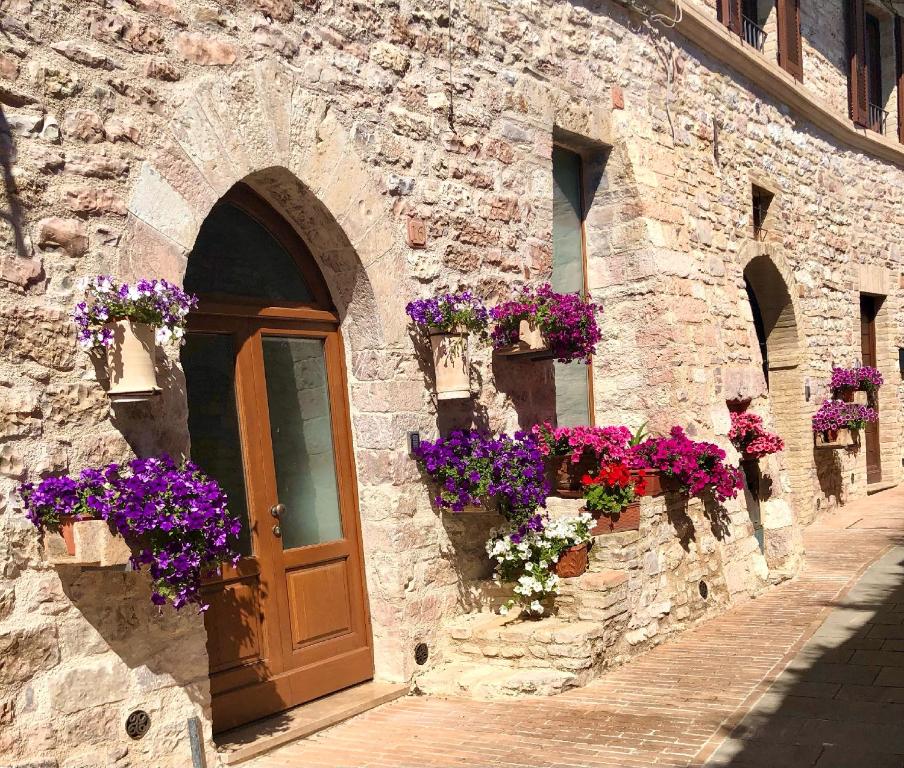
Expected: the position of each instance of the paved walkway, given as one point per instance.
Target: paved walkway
(834, 702)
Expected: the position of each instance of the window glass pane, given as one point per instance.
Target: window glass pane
(567, 238)
(572, 385)
(302, 433)
(235, 255)
(208, 361)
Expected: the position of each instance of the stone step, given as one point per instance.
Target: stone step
(598, 595)
(512, 642)
(482, 681)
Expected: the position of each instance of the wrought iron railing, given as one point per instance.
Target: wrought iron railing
(753, 34)
(878, 118)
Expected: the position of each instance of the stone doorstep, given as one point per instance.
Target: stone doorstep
(482, 681)
(248, 741)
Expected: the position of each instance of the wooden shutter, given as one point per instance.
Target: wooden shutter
(857, 79)
(790, 49)
(730, 14)
(899, 64)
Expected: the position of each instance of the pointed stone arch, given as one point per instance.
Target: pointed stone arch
(261, 126)
(775, 314)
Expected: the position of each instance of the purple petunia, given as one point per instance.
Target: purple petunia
(471, 468)
(847, 379)
(566, 320)
(837, 414)
(155, 302)
(449, 313)
(172, 515)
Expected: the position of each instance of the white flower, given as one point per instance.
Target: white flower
(134, 294)
(535, 607)
(82, 283)
(178, 332)
(103, 284)
(503, 610)
(163, 335)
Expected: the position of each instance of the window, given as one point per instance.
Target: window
(761, 200)
(771, 27)
(569, 274)
(876, 74)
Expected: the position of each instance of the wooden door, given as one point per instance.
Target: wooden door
(869, 306)
(268, 417)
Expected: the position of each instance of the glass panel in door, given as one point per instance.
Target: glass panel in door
(208, 361)
(302, 436)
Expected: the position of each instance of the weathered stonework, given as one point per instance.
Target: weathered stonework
(127, 121)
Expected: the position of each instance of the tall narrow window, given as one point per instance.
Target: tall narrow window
(761, 201)
(573, 381)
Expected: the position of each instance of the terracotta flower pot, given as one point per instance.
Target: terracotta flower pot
(572, 562)
(652, 481)
(67, 531)
(626, 520)
(564, 475)
(450, 364)
(130, 361)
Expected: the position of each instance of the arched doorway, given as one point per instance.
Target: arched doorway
(268, 417)
(775, 344)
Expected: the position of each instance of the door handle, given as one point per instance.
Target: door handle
(276, 531)
(277, 509)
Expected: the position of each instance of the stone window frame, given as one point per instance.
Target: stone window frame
(770, 226)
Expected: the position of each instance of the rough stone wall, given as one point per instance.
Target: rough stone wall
(127, 120)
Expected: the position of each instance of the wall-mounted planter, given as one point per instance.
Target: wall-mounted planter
(130, 362)
(626, 520)
(861, 397)
(451, 365)
(86, 543)
(530, 343)
(841, 438)
(572, 562)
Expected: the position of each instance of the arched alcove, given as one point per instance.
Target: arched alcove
(775, 345)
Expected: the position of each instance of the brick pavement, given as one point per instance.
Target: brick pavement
(677, 704)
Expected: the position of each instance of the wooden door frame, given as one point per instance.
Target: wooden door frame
(244, 318)
(870, 306)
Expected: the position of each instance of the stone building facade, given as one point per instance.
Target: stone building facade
(125, 121)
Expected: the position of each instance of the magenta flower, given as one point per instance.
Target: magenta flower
(566, 320)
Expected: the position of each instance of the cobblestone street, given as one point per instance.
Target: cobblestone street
(763, 685)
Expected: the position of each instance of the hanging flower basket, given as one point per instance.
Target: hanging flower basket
(128, 321)
(130, 362)
(573, 561)
(544, 324)
(447, 320)
(451, 365)
(617, 522)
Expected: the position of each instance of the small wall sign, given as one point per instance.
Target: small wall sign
(417, 233)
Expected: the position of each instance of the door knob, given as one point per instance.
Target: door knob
(277, 509)
(276, 530)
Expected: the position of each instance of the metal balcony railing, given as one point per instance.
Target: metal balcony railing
(753, 34)
(878, 118)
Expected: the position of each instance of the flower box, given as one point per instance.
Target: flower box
(130, 362)
(451, 365)
(572, 562)
(834, 438)
(861, 397)
(86, 543)
(564, 475)
(530, 343)
(626, 520)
